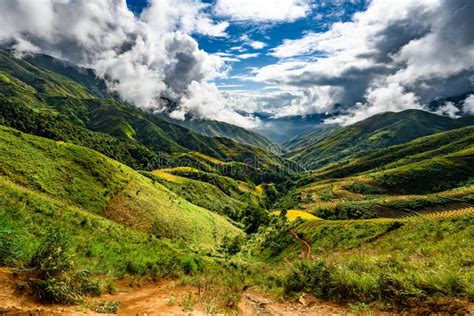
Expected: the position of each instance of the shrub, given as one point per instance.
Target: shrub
(59, 279)
(312, 277)
(52, 258)
(190, 265)
(232, 244)
(107, 307)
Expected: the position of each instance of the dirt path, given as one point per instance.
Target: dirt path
(254, 303)
(163, 298)
(306, 253)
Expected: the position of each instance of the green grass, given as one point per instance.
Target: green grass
(101, 246)
(64, 96)
(203, 194)
(390, 263)
(97, 184)
(214, 192)
(368, 136)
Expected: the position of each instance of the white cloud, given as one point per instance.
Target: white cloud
(144, 58)
(239, 48)
(264, 10)
(448, 109)
(235, 58)
(205, 100)
(468, 105)
(391, 97)
(257, 44)
(391, 57)
(247, 56)
(187, 16)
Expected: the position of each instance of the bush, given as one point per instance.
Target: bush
(313, 277)
(52, 258)
(232, 244)
(190, 265)
(59, 279)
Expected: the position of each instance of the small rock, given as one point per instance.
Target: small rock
(302, 300)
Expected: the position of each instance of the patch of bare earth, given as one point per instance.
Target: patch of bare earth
(165, 298)
(256, 303)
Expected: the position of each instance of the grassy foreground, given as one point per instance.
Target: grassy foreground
(80, 220)
(385, 264)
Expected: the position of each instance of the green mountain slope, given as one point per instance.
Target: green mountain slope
(402, 179)
(50, 92)
(304, 140)
(376, 132)
(239, 201)
(84, 179)
(221, 129)
(419, 149)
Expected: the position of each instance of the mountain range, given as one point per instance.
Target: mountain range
(94, 190)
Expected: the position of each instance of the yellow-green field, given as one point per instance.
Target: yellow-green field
(295, 214)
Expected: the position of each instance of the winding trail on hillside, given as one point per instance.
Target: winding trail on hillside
(306, 253)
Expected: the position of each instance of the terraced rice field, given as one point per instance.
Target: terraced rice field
(294, 214)
(167, 176)
(449, 213)
(448, 210)
(208, 158)
(438, 212)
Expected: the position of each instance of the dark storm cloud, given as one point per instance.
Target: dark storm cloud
(401, 54)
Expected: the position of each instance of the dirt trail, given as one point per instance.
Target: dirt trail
(164, 298)
(306, 253)
(257, 304)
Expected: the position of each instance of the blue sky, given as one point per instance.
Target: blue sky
(355, 57)
(228, 59)
(271, 33)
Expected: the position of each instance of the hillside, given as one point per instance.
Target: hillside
(369, 135)
(221, 129)
(387, 263)
(317, 133)
(45, 100)
(83, 179)
(401, 179)
(421, 148)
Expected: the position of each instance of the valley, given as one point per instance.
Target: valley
(105, 207)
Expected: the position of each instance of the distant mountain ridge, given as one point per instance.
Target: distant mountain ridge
(322, 147)
(58, 100)
(282, 129)
(213, 128)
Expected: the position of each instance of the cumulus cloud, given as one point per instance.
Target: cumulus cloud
(468, 105)
(257, 44)
(391, 97)
(448, 109)
(144, 58)
(391, 57)
(192, 103)
(263, 11)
